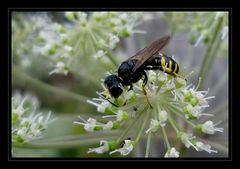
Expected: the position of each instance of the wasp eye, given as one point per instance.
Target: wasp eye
(113, 85)
(115, 91)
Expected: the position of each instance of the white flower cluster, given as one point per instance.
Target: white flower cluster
(87, 36)
(124, 148)
(96, 24)
(52, 43)
(166, 97)
(27, 125)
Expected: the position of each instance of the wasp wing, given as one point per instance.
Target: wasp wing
(145, 54)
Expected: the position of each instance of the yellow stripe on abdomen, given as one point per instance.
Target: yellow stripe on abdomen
(163, 62)
(170, 65)
(176, 66)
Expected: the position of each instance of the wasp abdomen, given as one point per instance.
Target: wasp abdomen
(164, 63)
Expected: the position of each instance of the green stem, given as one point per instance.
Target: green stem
(68, 141)
(22, 79)
(148, 144)
(130, 126)
(172, 123)
(176, 111)
(166, 138)
(142, 128)
(210, 53)
(113, 60)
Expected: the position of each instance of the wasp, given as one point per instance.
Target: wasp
(134, 68)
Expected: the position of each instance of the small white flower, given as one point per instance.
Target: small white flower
(200, 95)
(108, 126)
(99, 54)
(113, 40)
(89, 125)
(41, 123)
(172, 153)
(170, 85)
(63, 36)
(180, 82)
(154, 125)
(25, 122)
(162, 116)
(35, 132)
(60, 68)
(100, 107)
(123, 17)
(19, 110)
(195, 111)
(23, 134)
(205, 147)
(122, 115)
(126, 149)
(22, 131)
(209, 128)
(67, 48)
(186, 139)
(104, 147)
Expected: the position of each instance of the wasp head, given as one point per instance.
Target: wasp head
(113, 84)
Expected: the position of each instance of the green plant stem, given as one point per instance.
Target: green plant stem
(130, 126)
(22, 79)
(176, 111)
(166, 138)
(211, 51)
(172, 124)
(148, 144)
(142, 128)
(113, 60)
(68, 141)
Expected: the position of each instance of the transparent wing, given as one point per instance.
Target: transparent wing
(145, 54)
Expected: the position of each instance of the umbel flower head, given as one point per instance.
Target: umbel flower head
(27, 123)
(157, 109)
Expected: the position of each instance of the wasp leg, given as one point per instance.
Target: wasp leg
(145, 80)
(177, 75)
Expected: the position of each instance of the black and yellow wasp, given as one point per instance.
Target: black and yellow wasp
(133, 69)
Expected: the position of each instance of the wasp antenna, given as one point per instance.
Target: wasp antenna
(101, 95)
